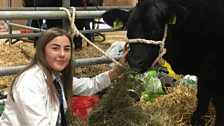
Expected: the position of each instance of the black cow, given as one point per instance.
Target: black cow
(80, 23)
(193, 44)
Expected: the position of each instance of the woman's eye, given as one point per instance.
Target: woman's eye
(67, 49)
(55, 48)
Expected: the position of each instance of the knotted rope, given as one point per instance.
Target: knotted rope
(162, 50)
(75, 32)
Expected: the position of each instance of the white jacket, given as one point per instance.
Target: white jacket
(32, 106)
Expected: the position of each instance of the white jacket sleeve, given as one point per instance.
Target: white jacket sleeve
(90, 86)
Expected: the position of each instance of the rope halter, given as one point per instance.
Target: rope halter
(71, 17)
(75, 32)
(162, 50)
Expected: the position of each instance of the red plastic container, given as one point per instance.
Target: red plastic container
(26, 31)
(81, 105)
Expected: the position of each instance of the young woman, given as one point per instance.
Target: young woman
(34, 98)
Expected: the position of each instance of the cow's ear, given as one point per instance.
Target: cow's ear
(179, 16)
(116, 18)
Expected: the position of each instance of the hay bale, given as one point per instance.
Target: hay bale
(14, 55)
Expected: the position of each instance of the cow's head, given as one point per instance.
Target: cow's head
(147, 21)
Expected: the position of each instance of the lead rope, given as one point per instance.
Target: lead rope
(75, 32)
(162, 50)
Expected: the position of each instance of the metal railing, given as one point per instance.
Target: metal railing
(52, 13)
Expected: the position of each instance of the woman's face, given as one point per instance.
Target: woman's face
(58, 53)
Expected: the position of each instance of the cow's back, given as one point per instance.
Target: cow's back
(199, 39)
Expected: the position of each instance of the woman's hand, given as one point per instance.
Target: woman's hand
(116, 71)
(125, 53)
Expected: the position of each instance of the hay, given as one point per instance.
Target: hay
(117, 107)
(14, 55)
(175, 108)
(75, 121)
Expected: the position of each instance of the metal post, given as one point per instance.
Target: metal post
(66, 23)
(10, 27)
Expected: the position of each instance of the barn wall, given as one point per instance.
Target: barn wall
(119, 2)
(15, 3)
(3, 3)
